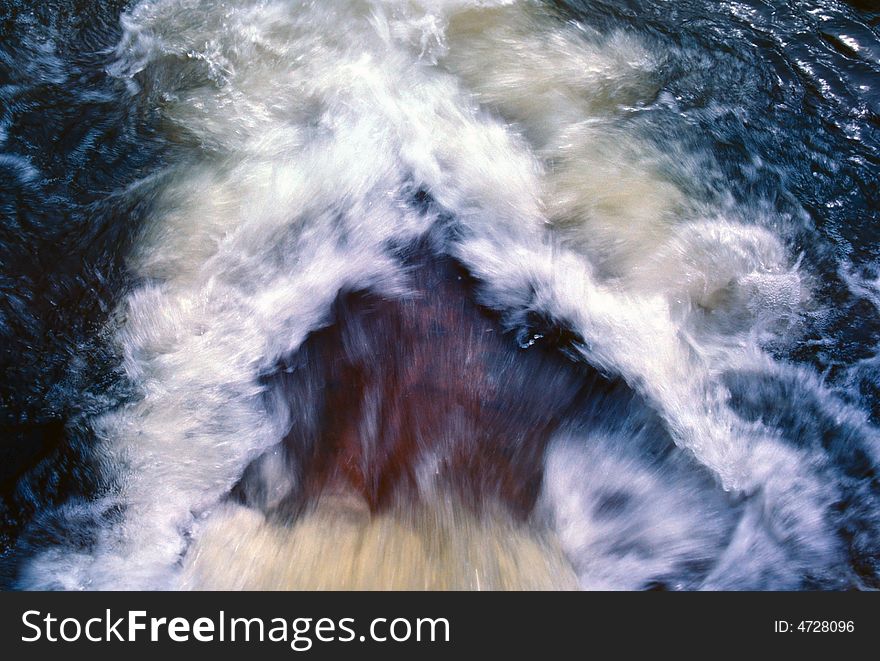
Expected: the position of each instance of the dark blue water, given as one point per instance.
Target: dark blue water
(785, 97)
(72, 144)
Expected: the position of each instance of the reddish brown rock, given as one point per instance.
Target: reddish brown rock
(428, 387)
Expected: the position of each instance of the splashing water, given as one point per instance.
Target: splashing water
(558, 158)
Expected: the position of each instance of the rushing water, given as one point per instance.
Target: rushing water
(654, 224)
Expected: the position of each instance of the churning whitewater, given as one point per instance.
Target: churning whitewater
(335, 157)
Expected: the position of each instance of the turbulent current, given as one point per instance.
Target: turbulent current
(439, 294)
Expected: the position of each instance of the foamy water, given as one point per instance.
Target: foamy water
(309, 130)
